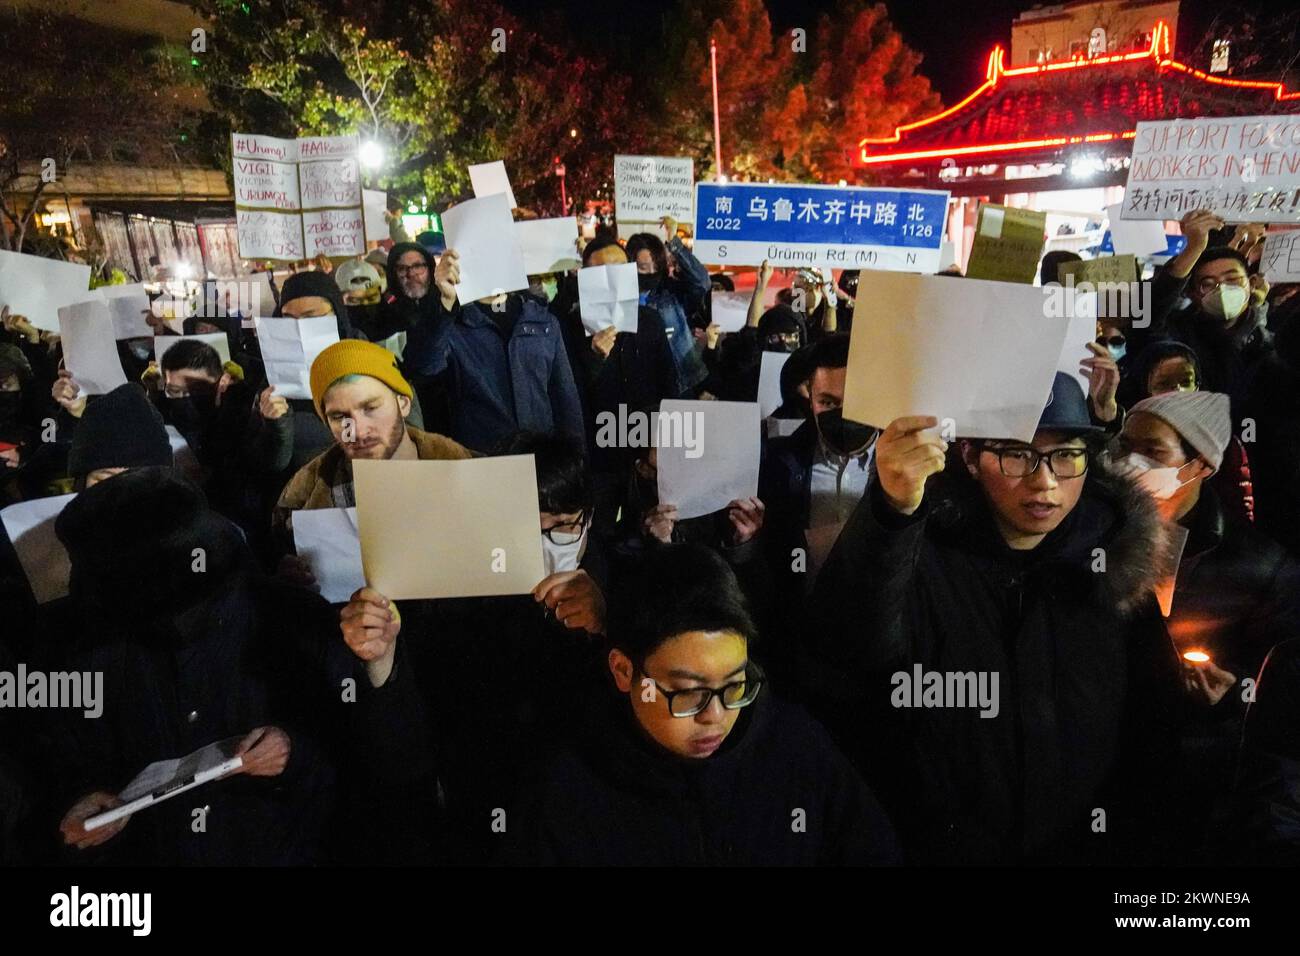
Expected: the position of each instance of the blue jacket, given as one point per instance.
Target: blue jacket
(674, 300)
(495, 386)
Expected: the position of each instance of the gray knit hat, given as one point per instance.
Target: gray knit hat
(1202, 419)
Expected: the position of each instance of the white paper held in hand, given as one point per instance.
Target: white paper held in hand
(90, 347)
(730, 309)
(549, 245)
(289, 346)
(483, 234)
(328, 540)
(30, 527)
(608, 295)
(490, 179)
(36, 287)
(707, 454)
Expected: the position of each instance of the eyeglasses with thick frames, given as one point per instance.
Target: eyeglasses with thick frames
(1019, 461)
(1209, 283)
(570, 529)
(407, 270)
(695, 700)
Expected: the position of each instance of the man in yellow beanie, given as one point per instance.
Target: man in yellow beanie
(358, 391)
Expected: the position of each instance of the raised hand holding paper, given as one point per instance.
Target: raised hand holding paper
(90, 347)
(436, 529)
(985, 359)
(608, 295)
(707, 454)
(482, 232)
(289, 346)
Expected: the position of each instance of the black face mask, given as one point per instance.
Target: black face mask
(844, 438)
(190, 415)
(647, 282)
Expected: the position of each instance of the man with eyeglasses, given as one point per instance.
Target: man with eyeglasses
(685, 758)
(1224, 319)
(1024, 561)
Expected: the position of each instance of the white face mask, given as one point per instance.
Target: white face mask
(557, 557)
(1157, 480)
(1226, 302)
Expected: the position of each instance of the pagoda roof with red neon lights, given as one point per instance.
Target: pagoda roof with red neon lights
(1034, 109)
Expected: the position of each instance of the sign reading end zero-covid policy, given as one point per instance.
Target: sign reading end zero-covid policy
(820, 226)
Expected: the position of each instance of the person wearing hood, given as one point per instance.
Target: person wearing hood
(1236, 593)
(1224, 320)
(191, 656)
(684, 757)
(500, 362)
(674, 296)
(410, 297)
(1008, 702)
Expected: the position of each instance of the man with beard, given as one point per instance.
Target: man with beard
(363, 399)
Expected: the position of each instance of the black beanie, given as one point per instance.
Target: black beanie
(302, 284)
(132, 540)
(119, 430)
(779, 320)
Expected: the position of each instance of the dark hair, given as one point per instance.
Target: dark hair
(722, 282)
(653, 245)
(192, 354)
(830, 352)
(593, 247)
(1049, 271)
(562, 483)
(675, 589)
(1220, 252)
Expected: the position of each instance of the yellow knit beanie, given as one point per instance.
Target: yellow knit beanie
(354, 357)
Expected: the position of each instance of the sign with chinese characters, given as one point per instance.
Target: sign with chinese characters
(819, 226)
(1244, 168)
(1280, 261)
(297, 198)
(1007, 245)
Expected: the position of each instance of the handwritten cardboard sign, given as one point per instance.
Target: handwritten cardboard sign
(1008, 244)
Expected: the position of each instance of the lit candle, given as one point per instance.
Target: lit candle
(1197, 657)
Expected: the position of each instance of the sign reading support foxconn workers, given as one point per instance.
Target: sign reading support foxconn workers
(297, 198)
(1243, 168)
(820, 226)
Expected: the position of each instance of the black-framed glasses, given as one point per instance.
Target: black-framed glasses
(1021, 461)
(1209, 283)
(694, 700)
(569, 531)
(1114, 341)
(407, 270)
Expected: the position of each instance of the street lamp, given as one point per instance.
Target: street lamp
(564, 195)
(371, 154)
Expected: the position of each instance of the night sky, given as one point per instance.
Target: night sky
(953, 37)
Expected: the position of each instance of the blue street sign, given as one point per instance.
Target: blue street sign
(820, 226)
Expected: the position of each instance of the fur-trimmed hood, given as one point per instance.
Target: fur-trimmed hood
(1113, 514)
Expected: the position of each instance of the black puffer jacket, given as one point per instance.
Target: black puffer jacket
(1086, 673)
(617, 799)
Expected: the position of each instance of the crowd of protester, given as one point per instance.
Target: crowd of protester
(722, 689)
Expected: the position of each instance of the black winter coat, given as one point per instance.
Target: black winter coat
(617, 799)
(1087, 675)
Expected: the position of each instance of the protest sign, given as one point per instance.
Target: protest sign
(491, 179)
(1280, 261)
(483, 234)
(707, 454)
(608, 295)
(769, 382)
(90, 347)
(1008, 244)
(289, 346)
(295, 199)
(730, 310)
(328, 540)
(1102, 269)
(819, 226)
(984, 358)
(1140, 237)
(128, 306)
(375, 202)
(647, 188)
(436, 529)
(549, 245)
(30, 527)
(1243, 168)
(36, 287)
